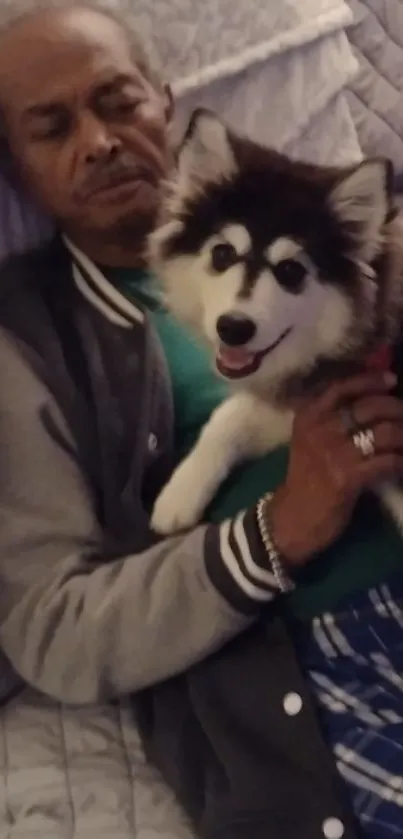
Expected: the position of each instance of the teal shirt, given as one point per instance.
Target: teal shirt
(371, 548)
(196, 391)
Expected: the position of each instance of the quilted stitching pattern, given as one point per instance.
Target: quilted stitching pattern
(201, 42)
(79, 773)
(266, 99)
(375, 96)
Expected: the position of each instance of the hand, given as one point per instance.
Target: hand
(326, 472)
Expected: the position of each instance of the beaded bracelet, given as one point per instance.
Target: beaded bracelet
(283, 581)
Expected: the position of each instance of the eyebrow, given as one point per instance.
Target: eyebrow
(50, 109)
(284, 247)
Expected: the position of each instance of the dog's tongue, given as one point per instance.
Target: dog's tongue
(234, 358)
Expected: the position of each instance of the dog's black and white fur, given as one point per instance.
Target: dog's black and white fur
(291, 272)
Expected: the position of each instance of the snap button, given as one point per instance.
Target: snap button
(333, 829)
(152, 442)
(292, 704)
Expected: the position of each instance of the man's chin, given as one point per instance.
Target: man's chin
(131, 220)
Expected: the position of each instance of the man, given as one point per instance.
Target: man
(91, 142)
(92, 606)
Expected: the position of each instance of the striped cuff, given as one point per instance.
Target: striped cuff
(238, 565)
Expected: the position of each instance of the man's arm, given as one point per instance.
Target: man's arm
(80, 630)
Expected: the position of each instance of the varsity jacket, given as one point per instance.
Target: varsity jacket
(93, 606)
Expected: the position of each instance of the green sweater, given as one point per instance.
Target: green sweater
(370, 549)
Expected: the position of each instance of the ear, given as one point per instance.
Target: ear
(205, 156)
(362, 202)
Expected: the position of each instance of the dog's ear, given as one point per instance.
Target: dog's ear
(362, 201)
(205, 155)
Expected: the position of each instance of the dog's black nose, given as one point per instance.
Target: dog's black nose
(235, 329)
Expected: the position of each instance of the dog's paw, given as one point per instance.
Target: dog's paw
(179, 506)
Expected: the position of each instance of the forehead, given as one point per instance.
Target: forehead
(241, 238)
(80, 46)
(268, 205)
(267, 208)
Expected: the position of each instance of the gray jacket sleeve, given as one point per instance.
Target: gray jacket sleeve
(76, 628)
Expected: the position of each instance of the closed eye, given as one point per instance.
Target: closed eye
(52, 130)
(123, 106)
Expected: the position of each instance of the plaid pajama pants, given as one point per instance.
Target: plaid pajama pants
(354, 663)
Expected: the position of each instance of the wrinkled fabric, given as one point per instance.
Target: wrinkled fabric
(375, 95)
(293, 101)
(79, 773)
(202, 42)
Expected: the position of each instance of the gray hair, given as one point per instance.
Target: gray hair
(121, 11)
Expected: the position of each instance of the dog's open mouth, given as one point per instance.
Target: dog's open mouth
(239, 362)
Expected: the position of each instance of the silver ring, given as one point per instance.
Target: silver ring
(364, 441)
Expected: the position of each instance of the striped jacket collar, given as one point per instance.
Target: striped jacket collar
(94, 286)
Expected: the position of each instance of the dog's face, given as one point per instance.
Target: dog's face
(271, 260)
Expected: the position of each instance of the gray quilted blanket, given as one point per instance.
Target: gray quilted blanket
(375, 96)
(79, 773)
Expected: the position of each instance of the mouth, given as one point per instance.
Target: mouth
(238, 362)
(122, 192)
(121, 182)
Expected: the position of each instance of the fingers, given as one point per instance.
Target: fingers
(387, 440)
(379, 468)
(367, 412)
(352, 389)
(385, 463)
(353, 471)
(388, 437)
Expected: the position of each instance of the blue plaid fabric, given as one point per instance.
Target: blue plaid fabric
(354, 662)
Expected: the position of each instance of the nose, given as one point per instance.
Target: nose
(235, 329)
(97, 141)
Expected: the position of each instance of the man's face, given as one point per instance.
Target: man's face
(87, 131)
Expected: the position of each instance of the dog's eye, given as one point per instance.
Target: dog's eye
(223, 256)
(290, 274)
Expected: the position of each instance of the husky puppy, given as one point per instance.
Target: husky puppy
(293, 274)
